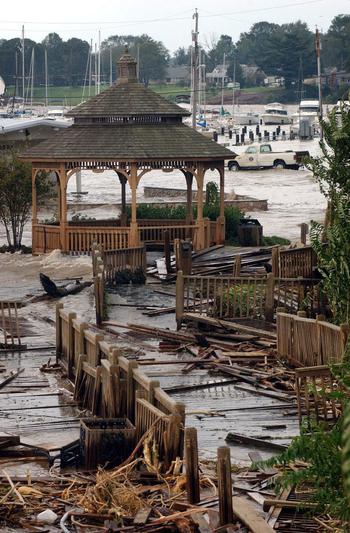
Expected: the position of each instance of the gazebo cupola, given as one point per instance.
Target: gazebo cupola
(127, 68)
(131, 130)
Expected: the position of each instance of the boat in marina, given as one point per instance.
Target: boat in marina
(275, 113)
(245, 119)
(307, 116)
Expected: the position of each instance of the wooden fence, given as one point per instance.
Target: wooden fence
(244, 297)
(294, 262)
(310, 342)
(110, 385)
(317, 401)
(9, 324)
(124, 259)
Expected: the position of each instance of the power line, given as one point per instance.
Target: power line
(170, 18)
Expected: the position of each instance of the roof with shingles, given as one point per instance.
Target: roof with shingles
(127, 99)
(128, 142)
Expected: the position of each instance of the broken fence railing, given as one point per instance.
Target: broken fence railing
(110, 385)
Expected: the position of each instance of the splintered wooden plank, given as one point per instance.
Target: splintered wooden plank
(247, 514)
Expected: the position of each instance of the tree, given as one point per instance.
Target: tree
(182, 56)
(153, 56)
(336, 43)
(277, 49)
(331, 240)
(16, 196)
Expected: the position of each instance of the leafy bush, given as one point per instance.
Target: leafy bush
(149, 211)
(168, 212)
(241, 300)
(274, 240)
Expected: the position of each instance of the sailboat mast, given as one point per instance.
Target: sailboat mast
(90, 66)
(223, 83)
(110, 67)
(233, 90)
(99, 63)
(195, 71)
(23, 85)
(32, 80)
(46, 81)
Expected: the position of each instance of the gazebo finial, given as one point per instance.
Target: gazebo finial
(127, 67)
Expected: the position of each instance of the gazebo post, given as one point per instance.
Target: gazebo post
(123, 216)
(189, 197)
(134, 236)
(34, 211)
(220, 222)
(200, 241)
(34, 199)
(63, 207)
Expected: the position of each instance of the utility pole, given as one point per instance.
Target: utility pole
(195, 70)
(318, 56)
(23, 87)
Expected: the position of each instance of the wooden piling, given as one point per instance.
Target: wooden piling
(304, 230)
(269, 303)
(237, 266)
(167, 251)
(224, 485)
(192, 472)
(179, 311)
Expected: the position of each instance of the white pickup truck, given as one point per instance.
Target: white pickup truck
(262, 156)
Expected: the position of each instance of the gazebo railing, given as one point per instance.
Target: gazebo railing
(80, 239)
(45, 238)
(155, 234)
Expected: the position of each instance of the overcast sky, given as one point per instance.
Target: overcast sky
(170, 22)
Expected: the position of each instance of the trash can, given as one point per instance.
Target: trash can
(250, 232)
(105, 441)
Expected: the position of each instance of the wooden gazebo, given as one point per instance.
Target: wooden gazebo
(132, 130)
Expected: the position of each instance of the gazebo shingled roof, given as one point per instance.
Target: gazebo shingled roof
(128, 121)
(128, 99)
(131, 142)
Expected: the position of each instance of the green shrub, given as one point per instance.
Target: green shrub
(274, 239)
(241, 300)
(168, 212)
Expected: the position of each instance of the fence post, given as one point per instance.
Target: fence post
(179, 298)
(269, 302)
(344, 330)
(275, 259)
(224, 485)
(237, 266)
(152, 385)
(304, 230)
(191, 458)
(58, 331)
(70, 342)
(130, 392)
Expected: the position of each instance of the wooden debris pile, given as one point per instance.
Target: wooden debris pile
(210, 262)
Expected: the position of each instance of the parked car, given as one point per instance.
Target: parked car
(262, 156)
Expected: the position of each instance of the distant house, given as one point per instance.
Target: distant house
(253, 75)
(274, 81)
(178, 74)
(215, 77)
(331, 78)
